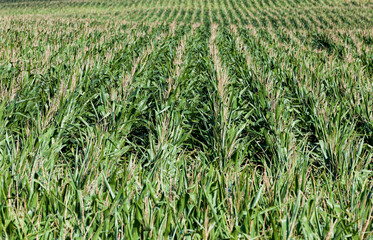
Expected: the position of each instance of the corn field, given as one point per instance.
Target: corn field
(186, 119)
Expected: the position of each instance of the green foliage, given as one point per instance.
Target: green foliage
(186, 119)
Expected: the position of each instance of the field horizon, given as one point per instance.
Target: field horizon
(183, 119)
